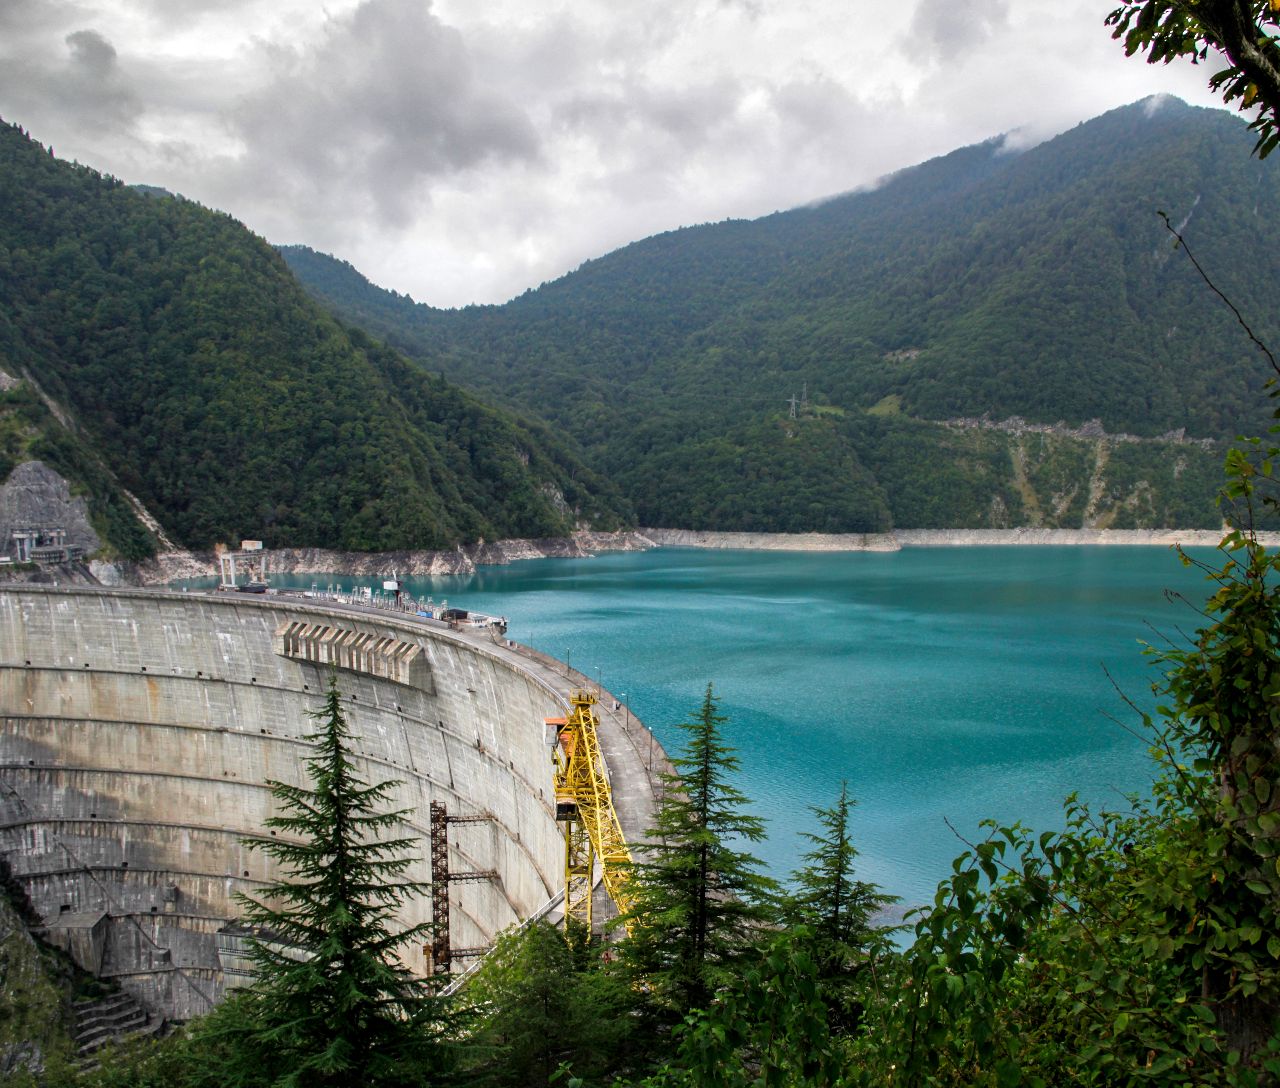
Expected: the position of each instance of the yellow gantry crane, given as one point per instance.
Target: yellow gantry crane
(584, 804)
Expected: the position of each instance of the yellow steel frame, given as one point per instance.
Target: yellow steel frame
(592, 830)
(579, 863)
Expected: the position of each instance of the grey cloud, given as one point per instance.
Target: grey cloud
(29, 17)
(92, 54)
(947, 28)
(558, 53)
(385, 103)
(686, 117)
(80, 87)
(650, 139)
(692, 115)
(818, 107)
(92, 82)
(183, 12)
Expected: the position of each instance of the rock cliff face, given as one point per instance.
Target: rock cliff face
(168, 567)
(33, 1013)
(36, 497)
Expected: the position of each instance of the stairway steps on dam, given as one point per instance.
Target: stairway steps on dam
(100, 1022)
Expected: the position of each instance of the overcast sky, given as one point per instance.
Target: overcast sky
(465, 150)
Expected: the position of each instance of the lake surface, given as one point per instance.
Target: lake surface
(942, 684)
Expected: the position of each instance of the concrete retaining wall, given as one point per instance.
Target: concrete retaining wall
(138, 730)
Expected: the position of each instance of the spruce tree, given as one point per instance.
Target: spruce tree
(828, 895)
(837, 912)
(332, 1003)
(698, 904)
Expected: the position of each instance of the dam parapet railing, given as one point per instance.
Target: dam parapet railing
(381, 601)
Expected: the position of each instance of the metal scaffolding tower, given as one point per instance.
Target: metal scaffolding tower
(441, 952)
(584, 804)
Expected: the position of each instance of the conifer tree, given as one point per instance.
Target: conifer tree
(698, 903)
(829, 896)
(838, 910)
(332, 1003)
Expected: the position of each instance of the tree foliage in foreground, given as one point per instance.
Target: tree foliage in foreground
(543, 1003)
(840, 916)
(333, 1003)
(1140, 947)
(770, 1029)
(789, 1015)
(699, 903)
(1245, 31)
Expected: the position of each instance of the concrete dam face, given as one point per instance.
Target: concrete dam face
(139, 730)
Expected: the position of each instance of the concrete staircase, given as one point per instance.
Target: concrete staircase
(107, 1019)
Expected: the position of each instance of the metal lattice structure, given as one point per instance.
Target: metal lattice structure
(441, 951)
(584, 804)
(441, 959)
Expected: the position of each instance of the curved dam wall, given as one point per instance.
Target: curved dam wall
(138, 730)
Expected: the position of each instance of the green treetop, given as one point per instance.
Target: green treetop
(698, 902)
(333, 1003)
(840, 911)
(828, 895)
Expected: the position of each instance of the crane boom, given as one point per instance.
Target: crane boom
(584, 804)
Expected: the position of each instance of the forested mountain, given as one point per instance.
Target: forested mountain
(191, 362)
(992, 282)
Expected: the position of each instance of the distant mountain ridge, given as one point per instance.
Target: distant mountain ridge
(989, 282)
(191, 368)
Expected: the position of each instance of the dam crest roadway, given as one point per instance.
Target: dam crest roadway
(139, 729)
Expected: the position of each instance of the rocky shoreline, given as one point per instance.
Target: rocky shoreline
(941, 538)
(1147, 538)
(174, 565)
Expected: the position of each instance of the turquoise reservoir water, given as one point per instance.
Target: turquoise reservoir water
(943, 684)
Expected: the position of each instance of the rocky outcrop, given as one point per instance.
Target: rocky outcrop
(1089, 430)
(36, 497)
(33, 1026)
(170, 566)
(53, 574)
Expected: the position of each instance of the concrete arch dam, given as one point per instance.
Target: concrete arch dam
(138, 730)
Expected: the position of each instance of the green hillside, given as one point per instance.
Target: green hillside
(232, 404)
(1040, 284)
(29, 431)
